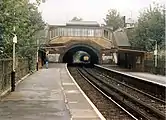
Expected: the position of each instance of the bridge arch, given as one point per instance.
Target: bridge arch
(67, 56)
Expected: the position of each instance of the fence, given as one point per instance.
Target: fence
(22, 68)
(161, 67)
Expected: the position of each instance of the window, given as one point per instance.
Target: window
(72, 32)
(69, 32)
(98, 33)
(65, 31)
(62, 31)
(58, 31)
(55, 33)
(105, 33)
(78, 32)
(138, 59)
(90, 32)
(50, 34)
(85, 32)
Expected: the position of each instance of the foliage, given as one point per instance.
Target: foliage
(26, 19)
(114, 19)
(76, 19)
(151, 25)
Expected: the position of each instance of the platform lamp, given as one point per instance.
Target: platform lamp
(37, 52)
(14, 63)
(13, 76)
(155, 54)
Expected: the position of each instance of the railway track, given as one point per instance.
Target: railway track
(139, 105)
(106, 105)
(143, 96)
(153, 89)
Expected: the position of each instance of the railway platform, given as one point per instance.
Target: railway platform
(48, 94)
(157, 79)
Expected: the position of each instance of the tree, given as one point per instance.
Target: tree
(1, 40)
(151, 25)
(76, 19)
(26, 19)
(114, 19)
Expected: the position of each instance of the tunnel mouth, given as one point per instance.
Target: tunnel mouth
(68, 56)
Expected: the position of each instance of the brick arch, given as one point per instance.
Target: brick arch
(83, 42)
(94, 52)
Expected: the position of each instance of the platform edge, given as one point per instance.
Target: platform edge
(89, 101)
(130, 75)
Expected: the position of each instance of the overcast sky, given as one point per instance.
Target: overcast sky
(61, 11)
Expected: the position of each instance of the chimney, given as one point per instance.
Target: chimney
(124, 21)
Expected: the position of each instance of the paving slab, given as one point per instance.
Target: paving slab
(39, 97)
(49, 94)
(157, 79)
(77, 101)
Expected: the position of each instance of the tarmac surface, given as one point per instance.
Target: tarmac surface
(48, 94)
(158, 79)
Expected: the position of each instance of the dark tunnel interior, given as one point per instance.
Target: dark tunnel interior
(68, 56)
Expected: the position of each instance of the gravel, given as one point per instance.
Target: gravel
(107, 108)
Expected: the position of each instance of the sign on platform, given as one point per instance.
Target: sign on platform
(155, 52)
(15, 39)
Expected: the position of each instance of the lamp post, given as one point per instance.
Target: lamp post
(13, 75)
(14, 63)
(37, 59)
(155, 54)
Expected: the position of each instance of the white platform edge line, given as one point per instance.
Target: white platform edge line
(9, 89)
(90, 102)
(134, 76)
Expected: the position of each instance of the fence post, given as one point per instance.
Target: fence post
(29, 65)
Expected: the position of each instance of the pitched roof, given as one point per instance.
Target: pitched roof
(121, 38)
(83, 23)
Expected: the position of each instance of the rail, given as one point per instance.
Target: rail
(135, 105)
(152, 87)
